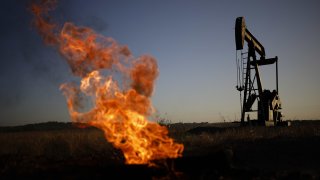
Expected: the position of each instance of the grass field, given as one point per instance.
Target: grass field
(212, 151)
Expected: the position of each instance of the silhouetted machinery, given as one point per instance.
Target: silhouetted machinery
(249, 81)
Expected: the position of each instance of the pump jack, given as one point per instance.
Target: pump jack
(269, 104)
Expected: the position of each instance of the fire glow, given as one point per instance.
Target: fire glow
(121, 111)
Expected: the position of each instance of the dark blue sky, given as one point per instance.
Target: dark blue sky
(193, 42)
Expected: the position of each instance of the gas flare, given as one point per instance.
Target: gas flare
(121, 104)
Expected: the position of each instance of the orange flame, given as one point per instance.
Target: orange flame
(120, 111)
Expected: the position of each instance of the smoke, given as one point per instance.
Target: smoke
(23, 61)
(10, 97)
(96, 23)
(120, 110)
(41, 64)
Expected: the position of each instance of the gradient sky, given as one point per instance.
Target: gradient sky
(193, 42)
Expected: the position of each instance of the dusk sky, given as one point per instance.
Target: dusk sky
(193, 42)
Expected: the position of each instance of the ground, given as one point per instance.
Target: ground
(212, 151)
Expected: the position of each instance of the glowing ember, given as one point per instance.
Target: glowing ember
(120, 111)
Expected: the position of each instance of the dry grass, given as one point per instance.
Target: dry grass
(201, 142)
(26, 151)
(62, 144)
(250, 134)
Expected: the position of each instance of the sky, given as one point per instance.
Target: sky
(193, 42)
